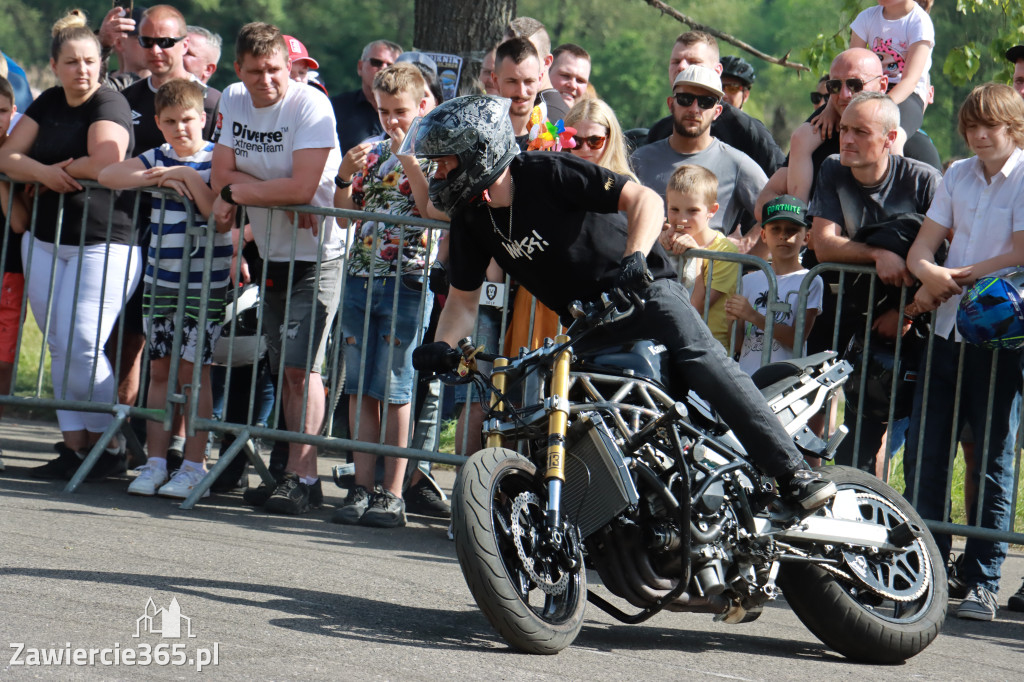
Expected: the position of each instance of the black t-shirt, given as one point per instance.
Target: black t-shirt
(736, 129)
(357, 118)
(567, 235)
(141, 98)
(63, 134)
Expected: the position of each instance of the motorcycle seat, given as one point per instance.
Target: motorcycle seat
(771, 379)
(643, 358)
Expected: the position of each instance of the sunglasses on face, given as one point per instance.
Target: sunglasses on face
(817, 99)
(595, 142)
(686, 99)
(855, 84)
(378, 63)
(163, 43)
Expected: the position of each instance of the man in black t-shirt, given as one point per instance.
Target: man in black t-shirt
(568, 229)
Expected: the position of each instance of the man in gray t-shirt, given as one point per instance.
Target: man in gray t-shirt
(695, 103)
(861, 186)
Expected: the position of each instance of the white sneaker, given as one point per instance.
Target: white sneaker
(182, 483)
(149, 479)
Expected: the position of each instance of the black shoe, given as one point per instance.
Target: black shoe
(233, 479)
(1016, 601)
(958, 588)
(424, 499)
(386, 510)
(174, 460)
(109, 464)
(60, 469)
(292, 496)
(807, 489)
(258, 496)
(354, 506)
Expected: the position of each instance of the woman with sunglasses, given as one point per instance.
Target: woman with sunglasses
(79, 269)
(599, 137)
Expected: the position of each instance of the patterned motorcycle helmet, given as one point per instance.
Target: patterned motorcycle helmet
(991, 313)
(478, 131)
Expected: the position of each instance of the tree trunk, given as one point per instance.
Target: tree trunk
(468, 28)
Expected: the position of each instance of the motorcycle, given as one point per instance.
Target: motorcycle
(599, 467)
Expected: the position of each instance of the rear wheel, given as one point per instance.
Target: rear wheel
(846, 609)
(498, 518)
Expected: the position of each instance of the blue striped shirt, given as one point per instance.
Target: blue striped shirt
(168, 222)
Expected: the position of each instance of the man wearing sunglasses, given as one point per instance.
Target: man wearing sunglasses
(163, 37)
(356, 110)
(732, 126)
(695, 102)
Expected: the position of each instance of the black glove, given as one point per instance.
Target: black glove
(437, 357)
(634, 275)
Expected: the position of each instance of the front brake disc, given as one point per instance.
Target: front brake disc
(540, 574)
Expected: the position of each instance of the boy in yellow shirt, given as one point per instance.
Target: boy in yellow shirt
(692, 200)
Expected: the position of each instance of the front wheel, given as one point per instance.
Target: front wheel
(905, 610)
(498, 518)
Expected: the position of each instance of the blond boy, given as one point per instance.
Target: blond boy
(692, 200)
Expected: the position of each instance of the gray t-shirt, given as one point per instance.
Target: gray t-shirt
(740, 180)
(908, 187)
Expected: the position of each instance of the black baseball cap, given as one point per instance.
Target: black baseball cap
(1015, 53)
(785, 207)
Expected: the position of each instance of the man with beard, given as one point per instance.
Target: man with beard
(517, 73)
(695, 102)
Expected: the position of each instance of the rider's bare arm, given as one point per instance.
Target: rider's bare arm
(645, 212)
(458, 317)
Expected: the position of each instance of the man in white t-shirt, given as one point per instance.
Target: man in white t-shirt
(278, 147)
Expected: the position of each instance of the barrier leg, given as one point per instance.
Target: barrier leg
(120, 416)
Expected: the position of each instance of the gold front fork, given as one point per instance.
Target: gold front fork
(498, 380)
(558, 419)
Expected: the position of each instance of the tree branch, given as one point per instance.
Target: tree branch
(694, 25)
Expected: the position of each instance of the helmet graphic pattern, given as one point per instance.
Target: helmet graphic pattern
(991, 313)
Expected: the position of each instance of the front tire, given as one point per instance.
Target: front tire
(496, 498)
(851, 619)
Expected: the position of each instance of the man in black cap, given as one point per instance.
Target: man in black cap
(737, 77)
(1016, 56)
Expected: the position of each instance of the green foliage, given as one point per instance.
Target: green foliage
(962, 63)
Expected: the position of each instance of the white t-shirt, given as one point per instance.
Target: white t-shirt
(983, 217)
(755, 290)
(263, 141)
(890, 40)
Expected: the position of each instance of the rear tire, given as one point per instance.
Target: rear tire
(854, 621)
(528, 618)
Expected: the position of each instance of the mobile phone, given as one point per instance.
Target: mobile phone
(126, 5)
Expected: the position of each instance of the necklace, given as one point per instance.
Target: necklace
(511, 200)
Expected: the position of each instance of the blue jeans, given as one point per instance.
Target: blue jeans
(983, 559)
(385, 368)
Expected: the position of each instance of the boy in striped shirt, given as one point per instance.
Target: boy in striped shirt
(175, 263)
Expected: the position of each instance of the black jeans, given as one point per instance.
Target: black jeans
(700, 362)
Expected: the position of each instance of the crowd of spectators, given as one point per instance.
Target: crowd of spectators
(860, 185)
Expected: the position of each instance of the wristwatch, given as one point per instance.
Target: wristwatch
(225, 194)
(342, 184)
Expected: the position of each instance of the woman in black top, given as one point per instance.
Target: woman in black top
(81, 239)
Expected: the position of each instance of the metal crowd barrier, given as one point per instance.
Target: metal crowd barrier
(332, 439)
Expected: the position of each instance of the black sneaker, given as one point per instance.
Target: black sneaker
(386, 510)
(1016, 602)
(293, 496)
(807, 489)
(60, 469)
(958, 588)
(425, 500)
(258, 496)
(352, 509)
(109, 464)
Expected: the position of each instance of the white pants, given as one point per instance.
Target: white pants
(90, 286)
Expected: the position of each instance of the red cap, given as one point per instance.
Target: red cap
(298, 52)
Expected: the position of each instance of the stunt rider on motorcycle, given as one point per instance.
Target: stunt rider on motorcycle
(553, 222)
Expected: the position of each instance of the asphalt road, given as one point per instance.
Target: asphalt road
(300, 598)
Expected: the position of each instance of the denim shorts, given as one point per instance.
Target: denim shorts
(386, 369)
